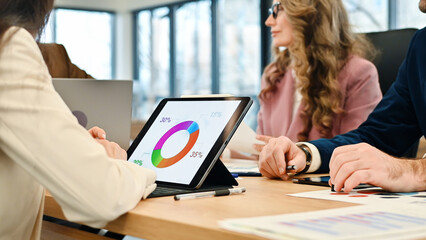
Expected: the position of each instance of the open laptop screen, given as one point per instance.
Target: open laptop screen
(184, 137)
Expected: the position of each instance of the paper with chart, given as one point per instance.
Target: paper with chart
(373, 195)
(384, 221)
(243, 140)
(242, 166)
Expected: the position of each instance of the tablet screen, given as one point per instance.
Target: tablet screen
(181, 135)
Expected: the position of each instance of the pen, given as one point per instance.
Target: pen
(291, 167)
(248, 174)
(216, 193)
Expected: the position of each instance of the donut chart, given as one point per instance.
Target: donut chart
(193, 130)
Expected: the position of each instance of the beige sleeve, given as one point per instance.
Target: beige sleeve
(39, 132)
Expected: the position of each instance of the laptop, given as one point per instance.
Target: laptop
(182, 142)
(103, 103)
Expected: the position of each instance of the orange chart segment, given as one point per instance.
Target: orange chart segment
(193, 130)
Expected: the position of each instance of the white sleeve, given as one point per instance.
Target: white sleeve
(39, 132)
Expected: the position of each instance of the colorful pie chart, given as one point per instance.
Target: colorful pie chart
(193, 130)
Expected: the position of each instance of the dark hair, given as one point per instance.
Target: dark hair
(29, 14)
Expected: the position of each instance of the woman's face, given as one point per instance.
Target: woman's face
(281, 30)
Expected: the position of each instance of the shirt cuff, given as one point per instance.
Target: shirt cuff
(316, 157)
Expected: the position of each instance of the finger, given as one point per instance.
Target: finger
(296, 157)
(266, 174)
(273, 151)
(285, 177)
(339, 160)
(333, 166)
(342, 150)
(273, 169)
(358, 177)
(346, 171)
(288, 152)
(123, 154)
(266, 169)
(264, 138)
(296, 166)
(279, 164)
(258, 147)
(97, 132)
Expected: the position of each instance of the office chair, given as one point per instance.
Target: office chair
(392, 46)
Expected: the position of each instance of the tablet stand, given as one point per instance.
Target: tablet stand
(219, 175)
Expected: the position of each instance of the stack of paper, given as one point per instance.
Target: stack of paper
(406, 221)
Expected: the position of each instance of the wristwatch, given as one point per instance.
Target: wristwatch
(308, 154)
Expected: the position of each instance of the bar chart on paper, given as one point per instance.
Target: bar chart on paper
(401, 221)
(357, 224)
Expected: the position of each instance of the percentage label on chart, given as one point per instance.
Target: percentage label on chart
(216, 114)
(138, 162)
(165, 120)
(196, 154)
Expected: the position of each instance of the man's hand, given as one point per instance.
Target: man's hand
(361, 163)
(277, 154)
(263, 138)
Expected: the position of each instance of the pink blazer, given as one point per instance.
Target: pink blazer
(360, 92)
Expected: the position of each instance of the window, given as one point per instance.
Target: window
(153, 61)
(368, 15)
(381, 15)
(197, 47)
(239, 50)
(408, 15)
(193, 49)
(88, 38)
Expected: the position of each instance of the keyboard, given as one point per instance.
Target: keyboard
(162, 191)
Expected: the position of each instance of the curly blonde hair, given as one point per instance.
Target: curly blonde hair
(322, 43)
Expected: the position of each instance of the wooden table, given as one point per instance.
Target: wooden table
(165, 218)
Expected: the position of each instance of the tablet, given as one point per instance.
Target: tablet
(323, 181)
(184, 137)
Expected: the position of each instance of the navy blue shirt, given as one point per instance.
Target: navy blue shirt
(399, 120)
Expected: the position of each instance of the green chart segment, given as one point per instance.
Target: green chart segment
(193, 130)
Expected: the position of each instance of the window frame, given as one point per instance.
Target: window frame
(215, 63)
